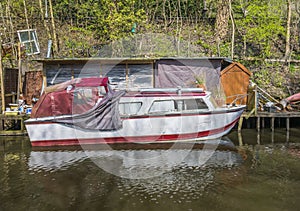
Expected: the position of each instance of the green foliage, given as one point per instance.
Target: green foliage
(110, 20)
(179, 28)
(261, 23)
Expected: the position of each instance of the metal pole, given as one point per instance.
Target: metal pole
(49, 48)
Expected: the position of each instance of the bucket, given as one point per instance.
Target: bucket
(21, 109)
(28, 110)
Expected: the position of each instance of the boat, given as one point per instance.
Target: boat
(87, 111)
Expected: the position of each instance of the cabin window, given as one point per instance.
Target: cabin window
(83, 96)
(130, 108)
(194, 104)
(191, 104)
(101, 91)
(162, 106)
(178, 105)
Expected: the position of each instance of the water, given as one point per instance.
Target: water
(253, 177)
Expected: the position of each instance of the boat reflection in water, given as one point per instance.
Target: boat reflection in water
(141, 160)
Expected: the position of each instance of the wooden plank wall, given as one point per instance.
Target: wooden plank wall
(235, 83)
(32, 85)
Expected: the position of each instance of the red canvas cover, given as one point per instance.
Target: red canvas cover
(60, 101)
(92, 82)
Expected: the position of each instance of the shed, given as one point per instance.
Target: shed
(235, 80)
(135, 72)
(154, 72)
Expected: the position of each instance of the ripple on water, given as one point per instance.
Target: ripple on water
(54, 160)
(183, 183)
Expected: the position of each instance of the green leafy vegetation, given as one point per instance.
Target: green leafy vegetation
(252, 31)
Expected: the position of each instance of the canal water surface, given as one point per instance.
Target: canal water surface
(197, 177)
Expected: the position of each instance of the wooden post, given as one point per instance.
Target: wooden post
(272, 128)
(1, 123)
(19, 88)
(240, 124)
(272, 123)
(127, 75)
(255, 100)
(153, 73)
(258, 124)
(1, 79)
(258, 138)
(22, 125)
(44, 78)
(240, 139)
(287, 129)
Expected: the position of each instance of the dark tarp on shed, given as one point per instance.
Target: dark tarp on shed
(181, 72)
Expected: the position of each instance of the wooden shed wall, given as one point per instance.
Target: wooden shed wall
(32, 85)
(10, 85)
(125, 75)
(235, 82)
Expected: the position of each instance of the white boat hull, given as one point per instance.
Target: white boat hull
(176, 127)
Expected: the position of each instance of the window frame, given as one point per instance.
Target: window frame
(32, 41)
(128, 103)
(184, 109)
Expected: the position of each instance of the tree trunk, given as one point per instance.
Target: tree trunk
(233, 30)
(222, 19)
(3, 25)
(164, 15)
(2, 80)
(43, 19)
(26, 15)
(179, 27)
(11, 31)
(288, 30)
(55, 42)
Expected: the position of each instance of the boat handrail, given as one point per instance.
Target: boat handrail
(175, 90)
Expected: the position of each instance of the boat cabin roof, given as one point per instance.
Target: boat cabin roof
(79, 95)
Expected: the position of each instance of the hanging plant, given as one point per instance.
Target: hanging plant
(200, 81)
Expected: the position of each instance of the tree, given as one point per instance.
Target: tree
(261, 23)
(222, 18)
